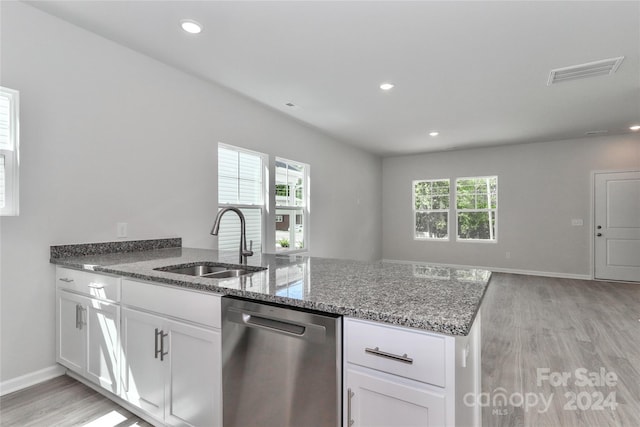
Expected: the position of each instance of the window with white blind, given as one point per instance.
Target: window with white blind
(9, 151)
(292, 206)
(241, 178)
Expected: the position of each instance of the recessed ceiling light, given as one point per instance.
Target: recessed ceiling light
(635, 127)
(434, 133)
(191, 26)
(386, 86)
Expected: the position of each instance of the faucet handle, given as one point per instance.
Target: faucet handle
(249, 252)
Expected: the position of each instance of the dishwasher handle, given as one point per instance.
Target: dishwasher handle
(301, 330)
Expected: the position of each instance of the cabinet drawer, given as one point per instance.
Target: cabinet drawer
(388, 348)
(193, 306)
(95, 285)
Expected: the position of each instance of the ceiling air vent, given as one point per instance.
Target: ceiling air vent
(591, 69)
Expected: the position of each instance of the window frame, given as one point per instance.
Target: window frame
(264, 159)
(11, 155)
(489, 209)
(293, 209)
(415, 211)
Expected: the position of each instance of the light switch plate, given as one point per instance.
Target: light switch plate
(577, 222)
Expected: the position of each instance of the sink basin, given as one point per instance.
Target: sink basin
(228, 273)
(196, 270)
(211, 270)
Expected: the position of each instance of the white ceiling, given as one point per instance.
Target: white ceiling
(474, 71)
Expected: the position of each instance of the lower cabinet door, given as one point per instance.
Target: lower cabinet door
(70, 329)
(143, 367)
(103, 344)
(194, 385)
(380, 400)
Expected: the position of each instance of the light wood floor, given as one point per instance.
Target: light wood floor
(63, 402)
(528, 323)
(563, 325)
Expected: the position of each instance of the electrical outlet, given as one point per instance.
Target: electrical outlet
(507, 255)
(577, 222)
(122, 229)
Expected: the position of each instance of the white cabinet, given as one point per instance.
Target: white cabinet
(384, 400)
(87, 328)
(172, 368)
(71, 343)
(403, 377)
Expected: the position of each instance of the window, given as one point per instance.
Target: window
(431, 209)
(241, 184)
(291, 195)
(476, 205)
(9, 151)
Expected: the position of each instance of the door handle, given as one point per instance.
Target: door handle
(350, 420)
(80, 317)
(160, 351)
(599, 234)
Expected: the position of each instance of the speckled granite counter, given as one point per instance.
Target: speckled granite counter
(429, 297)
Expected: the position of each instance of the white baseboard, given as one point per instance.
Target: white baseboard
(30, 379)
(501, 270)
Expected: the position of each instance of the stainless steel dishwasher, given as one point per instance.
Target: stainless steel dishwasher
(281, 367)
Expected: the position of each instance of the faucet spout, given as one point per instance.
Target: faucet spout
(244, 252)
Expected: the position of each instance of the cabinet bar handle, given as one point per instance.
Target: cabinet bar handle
(83, 316)
(95, 286)
(80, 321)
(350, 394)
(64, 279)
(377, 352)
(155, 343)
(160, 351)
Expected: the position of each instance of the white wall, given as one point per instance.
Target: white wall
(541, 187)
(109, 135)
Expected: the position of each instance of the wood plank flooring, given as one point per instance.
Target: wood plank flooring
(561, 325)
(528, 323)
(63, 402)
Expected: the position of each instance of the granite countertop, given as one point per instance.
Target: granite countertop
(430, 297)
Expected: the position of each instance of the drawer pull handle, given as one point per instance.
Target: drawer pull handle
(64, 279)
(95, 286)
(377, 352)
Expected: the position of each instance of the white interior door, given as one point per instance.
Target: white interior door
(617, 226)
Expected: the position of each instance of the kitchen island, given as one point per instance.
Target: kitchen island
(433, 309)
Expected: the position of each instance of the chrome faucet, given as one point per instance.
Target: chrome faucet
(244, 252)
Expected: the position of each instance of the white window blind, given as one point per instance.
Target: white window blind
(9, 154)
(240, 184)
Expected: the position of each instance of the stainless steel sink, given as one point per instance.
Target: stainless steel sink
(211, 270)
(229, 273)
